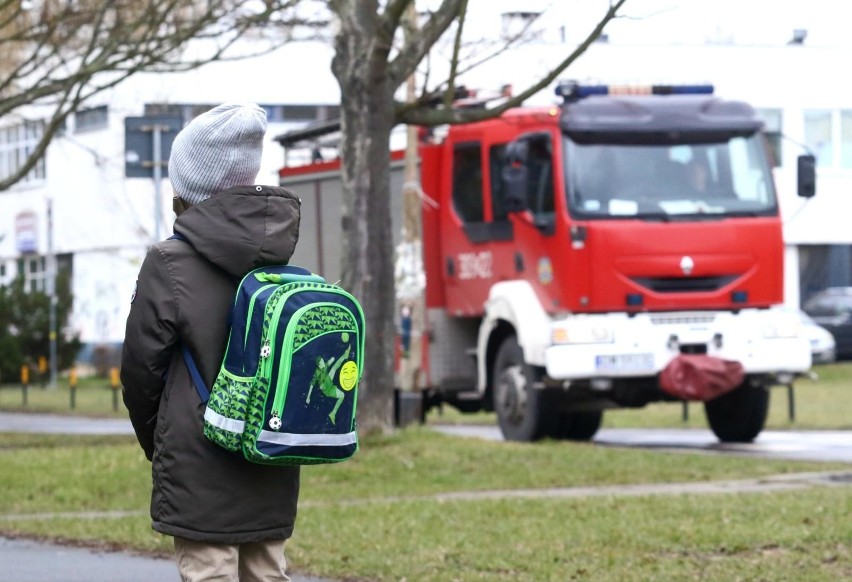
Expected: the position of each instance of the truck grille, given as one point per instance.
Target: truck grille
(684, 284)
(682, 318)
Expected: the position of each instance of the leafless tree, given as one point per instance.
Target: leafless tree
(372, 60)
(56, 54)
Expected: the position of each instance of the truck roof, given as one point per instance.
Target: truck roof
(658, 113)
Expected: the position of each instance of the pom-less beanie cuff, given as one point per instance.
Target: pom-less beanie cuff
(217, 150)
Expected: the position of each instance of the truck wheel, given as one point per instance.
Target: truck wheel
(577, 426)
(521, 410)
(739, 415)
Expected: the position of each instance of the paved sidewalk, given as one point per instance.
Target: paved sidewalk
(62, 424)
(31, 561)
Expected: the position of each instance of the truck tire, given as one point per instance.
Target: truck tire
(522, 413)
(739, 415)
(577, 426)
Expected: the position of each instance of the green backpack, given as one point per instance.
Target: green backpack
(287, 389)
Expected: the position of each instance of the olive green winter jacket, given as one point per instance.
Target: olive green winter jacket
(183, 295)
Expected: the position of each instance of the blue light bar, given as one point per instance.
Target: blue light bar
(574, 90)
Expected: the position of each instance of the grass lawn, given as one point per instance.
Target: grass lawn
(373, 518)
(92, 397)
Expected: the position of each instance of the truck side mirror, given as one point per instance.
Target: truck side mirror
(514, 176)
(806, 176)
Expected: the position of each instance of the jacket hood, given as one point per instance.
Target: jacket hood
(244, 227)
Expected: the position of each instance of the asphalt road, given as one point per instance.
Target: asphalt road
(797, 445)
(30, 561)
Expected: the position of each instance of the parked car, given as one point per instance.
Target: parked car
(823, 345)
(832, 309)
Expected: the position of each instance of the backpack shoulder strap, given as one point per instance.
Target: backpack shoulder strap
(194, 374)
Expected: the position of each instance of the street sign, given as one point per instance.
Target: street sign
(140, 157)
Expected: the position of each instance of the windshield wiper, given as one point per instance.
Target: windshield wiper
(743, 213)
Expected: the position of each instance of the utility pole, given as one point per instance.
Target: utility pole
(410, 298)
(147, 145)
(51, 292)
(158, 178)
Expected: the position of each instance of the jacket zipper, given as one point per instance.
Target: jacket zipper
(269, 346)
(251, 309)
(284, 366)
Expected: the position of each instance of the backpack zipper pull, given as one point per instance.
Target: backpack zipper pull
(265, 350)
(274, 422)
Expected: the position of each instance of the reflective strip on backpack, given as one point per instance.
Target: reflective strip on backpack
(223, 422)
(307, 440)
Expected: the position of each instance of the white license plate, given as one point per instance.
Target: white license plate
(625, 363)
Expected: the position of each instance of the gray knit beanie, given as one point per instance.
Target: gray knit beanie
(217, 150)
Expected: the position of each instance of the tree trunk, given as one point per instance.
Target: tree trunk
(367, 262)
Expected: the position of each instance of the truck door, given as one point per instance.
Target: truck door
(466, 234)
(487, 235)
(524, 186)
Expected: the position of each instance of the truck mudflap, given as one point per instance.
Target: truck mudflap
(763, 341)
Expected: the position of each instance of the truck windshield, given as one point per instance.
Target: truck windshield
(729, 176)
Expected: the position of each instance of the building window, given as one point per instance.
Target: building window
(91, 119)
(34, 271)
(274, 113)
(17, 144)
(165, 109)
(300, 112)
(846, 139)
(818, 136)
(772, 124)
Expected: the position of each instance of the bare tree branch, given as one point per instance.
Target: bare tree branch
(449, 95)
(392, 17)
(413, 52)
(405, 113)
(60, 54)
(473, 60)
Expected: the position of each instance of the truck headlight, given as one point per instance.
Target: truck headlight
(781, 325)
(582, 332)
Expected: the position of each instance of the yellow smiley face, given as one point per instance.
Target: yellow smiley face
(349, 375)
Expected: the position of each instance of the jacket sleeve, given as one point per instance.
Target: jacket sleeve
(149, 341)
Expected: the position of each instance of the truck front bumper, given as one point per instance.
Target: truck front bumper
(620, 345)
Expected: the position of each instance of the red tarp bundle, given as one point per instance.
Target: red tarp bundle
(700, 377)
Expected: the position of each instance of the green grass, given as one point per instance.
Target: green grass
(92, 397)
(374, 517)
(802, 536)
(821, 404)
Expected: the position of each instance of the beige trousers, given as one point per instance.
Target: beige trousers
(253, 562)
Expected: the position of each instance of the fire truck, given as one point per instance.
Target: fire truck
(572, 252)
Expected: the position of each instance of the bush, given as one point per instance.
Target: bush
(25, 320)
